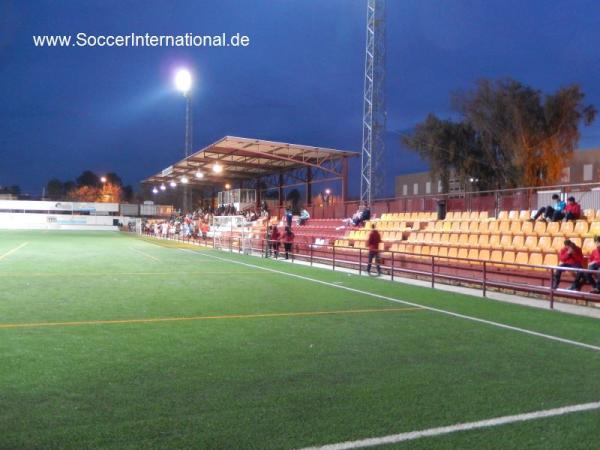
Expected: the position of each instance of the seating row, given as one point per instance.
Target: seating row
(496, 257)
(501, 242)
(409, 216)
(539, 228)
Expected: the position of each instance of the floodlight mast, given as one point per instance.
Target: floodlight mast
(374, 116)
(183, 83)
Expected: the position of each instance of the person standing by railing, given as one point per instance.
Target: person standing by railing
(373, 242)
(288, 241)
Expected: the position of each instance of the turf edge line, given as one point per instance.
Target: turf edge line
(409, 436)
(10, 252)
(395, 300)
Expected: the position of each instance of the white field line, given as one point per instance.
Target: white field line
(145, 254)
(401, 437)
(404, 302)
(10, 252)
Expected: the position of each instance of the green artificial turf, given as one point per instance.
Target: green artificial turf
(265, 382)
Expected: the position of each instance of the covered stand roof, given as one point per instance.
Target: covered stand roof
(246, 159)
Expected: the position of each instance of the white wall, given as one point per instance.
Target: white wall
(33, 221)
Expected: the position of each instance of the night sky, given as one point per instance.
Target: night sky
(64, 110)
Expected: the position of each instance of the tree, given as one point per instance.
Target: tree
(510, 134)
(113, 178)
(88, 178)
(294, 197)
(84, 194)
(127, 193)
(55, 189)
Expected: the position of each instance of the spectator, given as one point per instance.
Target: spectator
(570, 256)
(594, 264)
(274, 240)
(572, 210)
(288, 241)
(288, 217)
(552, 213)
(204, 229)
(304, 216)
(373, 245)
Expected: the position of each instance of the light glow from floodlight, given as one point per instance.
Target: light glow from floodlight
(183, 81)
(227, 186)
(327, 191)
(184, 179)
(199, 174)
(154, 190)
(172, 184)
(103, 179)
(162, 187)
(217, 168)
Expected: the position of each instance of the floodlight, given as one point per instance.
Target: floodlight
(217, 168)
(162, 187)
(199, 174)
(183, 81)
(327, 191)
(172, 184)
(184, 179)
(103, 179)
(227, 186)
(154, 190)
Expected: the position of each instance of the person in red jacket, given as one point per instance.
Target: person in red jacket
(373, 242)
(594, 264)
(572, 210)
(274, 240)
(569, 256)
(288, 241)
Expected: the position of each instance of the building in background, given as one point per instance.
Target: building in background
(584, 168)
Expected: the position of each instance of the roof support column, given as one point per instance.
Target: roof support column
(344, 179)
(280, 189)
(258, 199)
(309, 179)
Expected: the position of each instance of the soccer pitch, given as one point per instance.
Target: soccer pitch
(112, 341)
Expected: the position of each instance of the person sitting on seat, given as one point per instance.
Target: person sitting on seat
(572, 210)
(304, 216)
(569, 256)
(594, 264)
(553, 213)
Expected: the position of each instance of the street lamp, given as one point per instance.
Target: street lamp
(183, 83)
(103, 179)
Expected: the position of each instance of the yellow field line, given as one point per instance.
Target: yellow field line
(99, 274)
(179, 319)
(145, 254)
(10, 252)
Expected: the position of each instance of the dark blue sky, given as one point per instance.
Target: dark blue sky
(64, 110)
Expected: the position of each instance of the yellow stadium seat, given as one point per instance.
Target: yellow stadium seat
(455, 226)
(473, 241)
(545, 244)
(506, 241)
(576, 241)
(434, 250)
(444, 238)
(453, 241)
(522, 258)
(474, 215)
(525, 214)
(539, 228)
(463, 239)
(484, 241)
(449, 215)
(483, 215)
(494, 227)
(435, 237)
(567, 228)
(504, 226)
(496, 257)
(581, 228)
(473, 254)
(518, 242)
(464, 215)
(420, 237)
(551, 259)
(536, 259)
(409, 248)
(430, 226)
(463, 252)
(515, 226)
(464, 226)
(494, 241)
(473, 227)
(527, 228)
(484, 255)
(513, 215)
(414, 216)
(425, 250)
(400, 247)
(531, 242)
(503, 215)
(553, 228)
(558, 242)
(439, 225)
(448, 226)
(508, 257)
(452, 252)
(443, 251)
(417, 249)
(590, 214)
(594, 229)
(483, 227)
(427, 237)
(588, 246)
